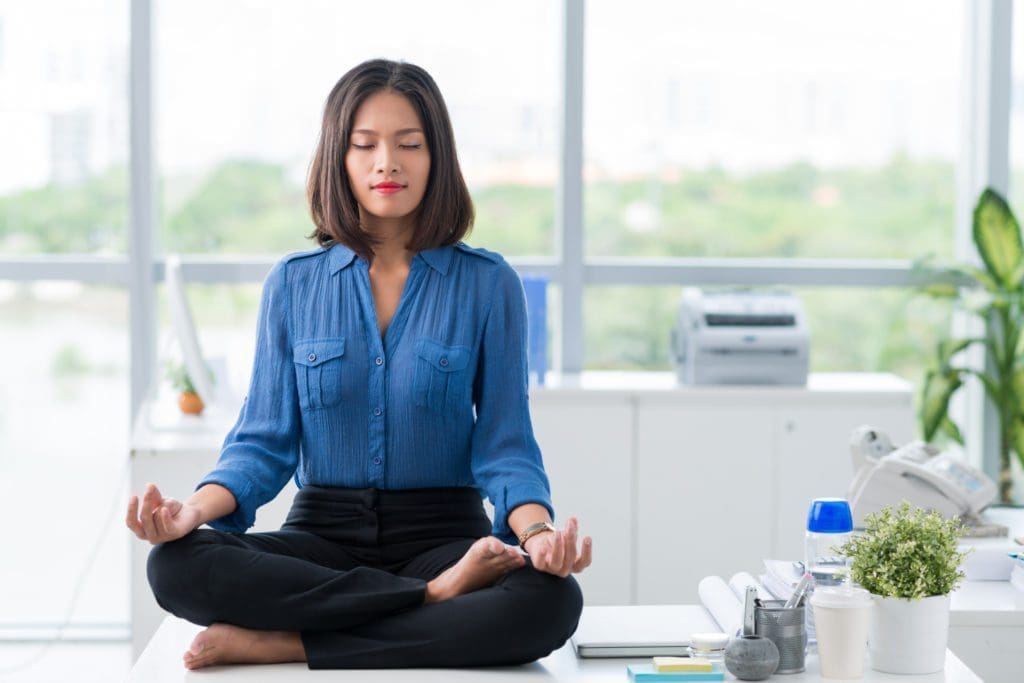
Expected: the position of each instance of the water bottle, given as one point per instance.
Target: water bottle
(829, 525)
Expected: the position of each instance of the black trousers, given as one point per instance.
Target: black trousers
(349, 569)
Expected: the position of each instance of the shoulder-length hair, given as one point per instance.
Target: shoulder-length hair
(445, 214)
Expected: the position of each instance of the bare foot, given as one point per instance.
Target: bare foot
(227, 644)
(483, 564)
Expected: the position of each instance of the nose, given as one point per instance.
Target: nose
(386, 161)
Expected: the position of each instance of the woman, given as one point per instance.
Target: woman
(390, 381)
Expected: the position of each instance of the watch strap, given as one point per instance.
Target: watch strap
(532, 530)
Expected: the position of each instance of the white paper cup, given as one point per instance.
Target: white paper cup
(841, 625)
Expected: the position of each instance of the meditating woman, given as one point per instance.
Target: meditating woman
(390, 381)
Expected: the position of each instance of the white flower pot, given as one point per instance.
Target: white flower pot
(908, 636)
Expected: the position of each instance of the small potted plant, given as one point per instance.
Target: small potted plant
(909, 562)
(188, 399)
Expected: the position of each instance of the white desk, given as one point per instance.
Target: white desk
(161, 663)
(986, 618)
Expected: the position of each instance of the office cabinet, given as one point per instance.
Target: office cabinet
(703, 495)
(586, 445)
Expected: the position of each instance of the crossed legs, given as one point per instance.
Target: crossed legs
(292, 596)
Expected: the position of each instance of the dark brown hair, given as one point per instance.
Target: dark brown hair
(444, 216)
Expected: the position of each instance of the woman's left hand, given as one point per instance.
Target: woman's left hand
(555, 552)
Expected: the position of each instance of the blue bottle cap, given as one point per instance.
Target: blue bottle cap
(830, 516)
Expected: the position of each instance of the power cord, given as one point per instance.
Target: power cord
(90, 560)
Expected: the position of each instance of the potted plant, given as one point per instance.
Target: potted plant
(188, 400)
(909, 562)
(996, 295)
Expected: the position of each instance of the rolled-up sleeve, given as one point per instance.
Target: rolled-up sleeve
(506, 460)
(261, 451)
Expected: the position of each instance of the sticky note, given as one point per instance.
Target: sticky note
(681, 664)
(645, 673)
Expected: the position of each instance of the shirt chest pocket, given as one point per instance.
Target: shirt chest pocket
(319, 364)
(441, 381)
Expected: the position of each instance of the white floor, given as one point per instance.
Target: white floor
(79, 662)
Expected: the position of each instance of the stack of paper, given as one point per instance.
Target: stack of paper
(724, 601)
(781, 578)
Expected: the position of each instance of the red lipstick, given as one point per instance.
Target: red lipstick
(388, 187)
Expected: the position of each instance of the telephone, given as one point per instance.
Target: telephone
(915, 472)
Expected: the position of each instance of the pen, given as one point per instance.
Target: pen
(798, 592)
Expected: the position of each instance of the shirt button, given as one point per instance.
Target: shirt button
(377, 411)
(379, 361)
(376, 461)
(444, 362)
(312, 357)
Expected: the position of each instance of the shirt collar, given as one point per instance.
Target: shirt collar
(340, 256)
(439, 259)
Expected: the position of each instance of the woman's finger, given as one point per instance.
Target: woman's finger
(538, 561)
(586, 556)
(557, 549)
(146, 514)
(160, 519)
(570, 546)
(132, 519)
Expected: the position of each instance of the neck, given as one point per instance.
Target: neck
(392, 234)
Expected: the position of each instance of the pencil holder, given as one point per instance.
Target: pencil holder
(787, 629)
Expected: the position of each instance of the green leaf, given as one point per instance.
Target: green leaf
(1017, 386)
(935, 395)
(950, 429)
(1017, 438)
(997, 237)
(991, 386)
(941, 290)
(1018, 275)
(948, 348)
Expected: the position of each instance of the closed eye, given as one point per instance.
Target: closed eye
(400, 146)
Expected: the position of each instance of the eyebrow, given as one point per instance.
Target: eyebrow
(398, 132)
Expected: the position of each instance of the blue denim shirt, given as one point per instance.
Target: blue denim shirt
(441, 400)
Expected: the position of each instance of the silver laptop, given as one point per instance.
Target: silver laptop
(640, 630)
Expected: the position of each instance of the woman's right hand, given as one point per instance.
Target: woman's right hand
(161, 519)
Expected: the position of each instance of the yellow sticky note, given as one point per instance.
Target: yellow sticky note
(662, 664)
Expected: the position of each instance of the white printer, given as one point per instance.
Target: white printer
(740, 337)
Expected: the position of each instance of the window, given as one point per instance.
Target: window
(852, 330)
(225, 319)
(771, 129)
(63, 450)
(63, 127)
(1016, 197)
(64, 345)
(238, 120)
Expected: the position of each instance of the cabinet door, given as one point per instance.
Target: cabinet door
(704, 495)
(587, 449)
(812, 446)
